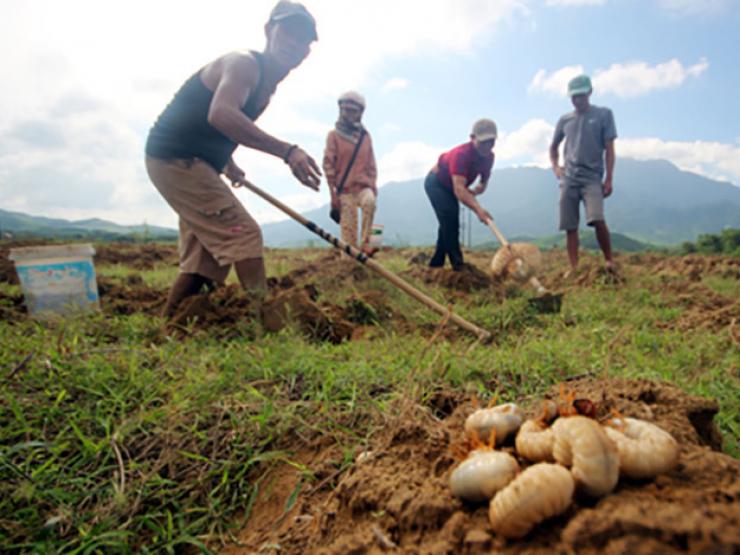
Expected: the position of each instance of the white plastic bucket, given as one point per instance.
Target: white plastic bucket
(56, 279)
(376, 236)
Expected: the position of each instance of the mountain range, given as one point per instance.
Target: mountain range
(653, 201)
(18, 223)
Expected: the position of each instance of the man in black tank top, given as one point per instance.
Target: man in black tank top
(192, 142)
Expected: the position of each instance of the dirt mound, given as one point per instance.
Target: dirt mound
(396, 497)
(139, 257)
(12, 307)
(321, 323)
(7, 268)
(129, 295)
(695, 266)
(330, 270)
(596, 274)
(229, 305)
(705, 308)
(470, 278)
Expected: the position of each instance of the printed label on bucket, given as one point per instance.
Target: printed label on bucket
(376, 236)
(58, 287)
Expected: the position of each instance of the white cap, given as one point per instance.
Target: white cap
(484, 130)
(353, 98)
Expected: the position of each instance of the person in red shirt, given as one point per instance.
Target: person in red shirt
(448, 184)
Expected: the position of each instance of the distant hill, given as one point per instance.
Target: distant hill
(20, 224)
(653, 201)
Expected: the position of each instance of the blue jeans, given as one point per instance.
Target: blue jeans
(447, 208)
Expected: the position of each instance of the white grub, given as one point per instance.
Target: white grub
(503, 419)
(542, 491)
(534, 441)
(645, 450)
(482, 474)
(582, 443)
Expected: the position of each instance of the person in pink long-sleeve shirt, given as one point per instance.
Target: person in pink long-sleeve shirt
(360, 187)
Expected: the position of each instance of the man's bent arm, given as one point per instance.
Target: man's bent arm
(238, 79)
(467, 198)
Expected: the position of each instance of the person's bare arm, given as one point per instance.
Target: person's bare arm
(480, 188)
(371, 169)
(468, 199)
(555, 159)
(611, 158)
(238, 77)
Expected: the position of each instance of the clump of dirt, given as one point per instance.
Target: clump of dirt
(230, 305)
(330, 270)
(12, 307)
(129, 295)
(596, 274)
(470, 278)
(7, 268)
(321, 323)
(695, 266)
(136, 256)
(7, 271)
(396, 494)
(705, 308)
(420, 258)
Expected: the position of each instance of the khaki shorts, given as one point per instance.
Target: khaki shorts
(571, 195)
(215, 229)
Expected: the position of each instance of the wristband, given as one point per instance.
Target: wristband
(288, 152)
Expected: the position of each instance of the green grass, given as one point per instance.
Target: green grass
(195, 422)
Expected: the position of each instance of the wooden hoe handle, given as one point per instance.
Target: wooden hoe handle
(372, 264)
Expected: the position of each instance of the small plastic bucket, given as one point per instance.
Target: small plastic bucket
(376, 236)
(56, 279)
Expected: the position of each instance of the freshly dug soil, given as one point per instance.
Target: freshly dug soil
(396, 498)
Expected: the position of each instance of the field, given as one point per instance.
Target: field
(218, 432)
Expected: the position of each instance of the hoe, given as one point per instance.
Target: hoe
(361, 257)
(508, 259)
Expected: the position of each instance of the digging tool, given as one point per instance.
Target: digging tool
(545, 301)
(361, 257)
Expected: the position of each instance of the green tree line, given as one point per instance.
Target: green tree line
(727, 242)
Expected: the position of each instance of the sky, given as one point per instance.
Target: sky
(84, 80)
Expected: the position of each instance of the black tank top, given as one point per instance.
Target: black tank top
(182, 129)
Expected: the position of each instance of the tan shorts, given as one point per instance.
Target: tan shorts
(215, 229)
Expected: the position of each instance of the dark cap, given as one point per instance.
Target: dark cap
(285, 9)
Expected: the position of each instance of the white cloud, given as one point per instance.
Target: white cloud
(696, 7)
(625, 80)
(556, 82)
(409, 160)
(711, 159)
(638, 78)
(394, 84)
(527, 145)
(94, 75)
(676, 7)
(575, 2)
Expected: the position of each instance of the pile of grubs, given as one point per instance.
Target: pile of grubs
(573, 454)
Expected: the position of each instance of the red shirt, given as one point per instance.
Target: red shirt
(464, 160)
